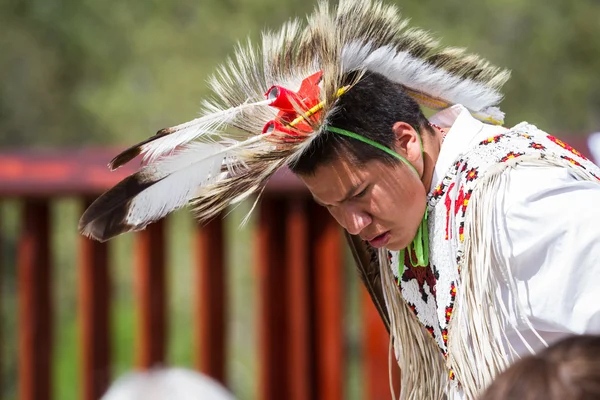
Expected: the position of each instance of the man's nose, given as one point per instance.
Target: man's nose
(354, 221)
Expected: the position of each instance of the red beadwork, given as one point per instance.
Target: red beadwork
(431, 124)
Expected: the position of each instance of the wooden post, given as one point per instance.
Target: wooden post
(273, 331)
(328, 282)
(150, 292)
(94, 317)
(376, 354)
(211, 300)
(35, 303)
(301, 345)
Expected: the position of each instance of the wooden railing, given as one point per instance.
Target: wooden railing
(298, 264)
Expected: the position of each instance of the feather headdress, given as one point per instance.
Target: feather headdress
(242, 138)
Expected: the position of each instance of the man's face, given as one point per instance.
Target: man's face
(383, 204)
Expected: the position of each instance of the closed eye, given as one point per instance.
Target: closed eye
(361, 193)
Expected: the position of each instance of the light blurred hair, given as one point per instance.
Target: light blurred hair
(167, 384)
(593, 143)
(569, 369)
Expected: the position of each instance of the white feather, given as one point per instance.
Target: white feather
(416, 74)
(185, 133)
(179, 176)
(183, 174)
(491, 113)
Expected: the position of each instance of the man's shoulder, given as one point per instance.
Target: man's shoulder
(527, 181)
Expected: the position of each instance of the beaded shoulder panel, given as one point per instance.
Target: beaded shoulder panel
(431, 291)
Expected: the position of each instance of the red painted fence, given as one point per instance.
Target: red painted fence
(298, 249)
(298, 264)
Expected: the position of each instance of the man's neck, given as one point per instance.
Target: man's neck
(431, 149)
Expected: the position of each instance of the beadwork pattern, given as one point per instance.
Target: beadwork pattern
(431, 291)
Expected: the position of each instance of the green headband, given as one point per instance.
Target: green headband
(375, 144)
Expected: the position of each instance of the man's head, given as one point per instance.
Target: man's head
(369, 192)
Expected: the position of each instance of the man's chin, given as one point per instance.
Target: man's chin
(397, 245)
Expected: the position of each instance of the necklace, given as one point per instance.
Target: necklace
(442, 131)
(419, 247)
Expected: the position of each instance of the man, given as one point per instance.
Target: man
(469, 236)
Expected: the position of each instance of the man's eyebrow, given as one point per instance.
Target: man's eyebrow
(351, 192)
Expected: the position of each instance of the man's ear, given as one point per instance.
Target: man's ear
(407, 141)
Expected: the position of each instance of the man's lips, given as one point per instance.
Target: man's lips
(380, 240)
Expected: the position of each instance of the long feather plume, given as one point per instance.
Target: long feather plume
(168, 139)
(153, 192)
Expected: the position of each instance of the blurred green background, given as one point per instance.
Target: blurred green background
(105, 72)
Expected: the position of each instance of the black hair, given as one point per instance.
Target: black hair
(370, 108)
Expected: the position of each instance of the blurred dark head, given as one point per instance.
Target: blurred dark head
(569, 369)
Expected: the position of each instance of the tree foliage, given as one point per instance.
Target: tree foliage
(97, 72)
